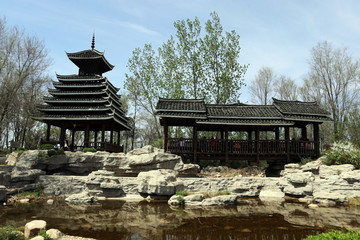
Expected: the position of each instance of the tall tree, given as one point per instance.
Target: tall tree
(261, 87)
(23, 64)
(336, 76)
(223, 74)
(285, 88)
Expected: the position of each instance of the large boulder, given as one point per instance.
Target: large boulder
(12, 158)
(82, 163)
(54, 185)
(160, 182)
(83, 197)
(5, 178)
(327, 171)
(33, 227)
(25, 175)
(28, 159)
(247, 187)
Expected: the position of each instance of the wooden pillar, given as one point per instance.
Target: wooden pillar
(62, 136)
(95, 135)
(165, 137)
(287, 141)
(303, 133)
(73, 140)
(103, 133)
(48, 132)
(87, 136)
(222, 134)
(226, 144)
(195, 142)
(277, 133)
(111, 136)
(249, 134)
(316, 140)
(118, 138)
(257, 144)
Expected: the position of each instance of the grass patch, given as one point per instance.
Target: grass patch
(10, 233)
(46, 147)
(335, 235)
(182, 193)
(89, 150)
(53, 152)
(37, 193)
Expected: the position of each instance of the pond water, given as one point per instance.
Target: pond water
(250, 219)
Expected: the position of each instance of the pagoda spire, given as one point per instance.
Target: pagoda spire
(93, 42)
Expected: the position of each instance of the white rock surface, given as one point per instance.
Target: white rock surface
(33, 227)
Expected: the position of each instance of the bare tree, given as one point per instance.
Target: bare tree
(23, 64)
(335, 74)
(285, 88)
(261, 88)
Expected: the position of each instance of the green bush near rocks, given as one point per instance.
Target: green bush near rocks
(53, 152)
(46, 147)
(343, 153)
(10, 233)
(335, 235)
(89, 150)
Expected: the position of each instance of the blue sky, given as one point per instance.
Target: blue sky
(274, 33)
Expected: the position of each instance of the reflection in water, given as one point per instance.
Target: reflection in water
(250, 219)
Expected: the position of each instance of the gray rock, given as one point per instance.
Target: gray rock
(62, 185)
(83, 197)
(54, 233)
(330, 196)
(157, 182)
(274, 194)
(12, 158)
(298, 191)
(300, 178)
(312, 166)
(220, 200)
(189, 169)
(247, 186)
(33, 227)
(28, 159)
(195, 199)
(25, 174)
(328, 171)
(351, 177)
(5, 178)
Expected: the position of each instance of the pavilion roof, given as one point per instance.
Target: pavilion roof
(280, 113)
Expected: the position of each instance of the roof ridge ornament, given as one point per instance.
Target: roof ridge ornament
(93, 42)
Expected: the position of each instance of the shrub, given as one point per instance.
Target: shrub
(46, 147)
(10, 233)
(53, 152)
(158, 143)
(20, 150)
(89, 150)
(44, 235)
(305, 160)
(335, 235)
(182, 193)
(343, 153)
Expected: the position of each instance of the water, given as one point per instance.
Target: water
(250, 219)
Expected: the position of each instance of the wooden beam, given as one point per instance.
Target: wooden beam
(111, 136)
(118, 137)
(287, 141)
(73, 139)
(316, 139)
(48, 132)
(226, 144)
(195, 142)
(257, 139)
(87, 136)
(103, 133)
(277, 133)
(62, 136)
(303, 133)
(165, 137)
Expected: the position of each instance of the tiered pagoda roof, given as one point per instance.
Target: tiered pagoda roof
(280, 113)
(86, 98)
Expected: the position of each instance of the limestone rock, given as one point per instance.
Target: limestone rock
(173, 201)
(351, 177)
(2, 193)
(5, 178)
(220, 200)
(189, 169)
(12, 158)
(24, 201)
(302, 191)
(83, 197)
(50, 201)
(312, 166)
(328, 171)
(61, 185)
(274, 194)
(300, 178)
(157, 182)
(25, 175)
(330, 196)
(38, 238)
(28, 159)
(33, 227)
(54, 233)
(194, 200)
(312, 205)
(247, 187)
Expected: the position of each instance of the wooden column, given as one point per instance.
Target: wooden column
(287, 140)
(226, 144)
(249, 134)
(48, 132)
(62, 136)
(316, 140)
(87, 136)
(195, 143)
(165, 137)
(303, 133)
(277, 133)
(95, 135)
(111, 136)
(118, 138)
(257, 139)
(103, 133)
(73, 139)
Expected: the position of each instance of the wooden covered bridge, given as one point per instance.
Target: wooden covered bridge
(266, 130)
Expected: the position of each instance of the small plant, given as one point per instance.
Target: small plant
(335, 235)
(158, 143)
(37, 193)
(44, 235)
(10, 233)
(182, 193)
(305, 160)
(89, 150)
(20, 150)
(43, 155)
(180, 199)
(46, 147)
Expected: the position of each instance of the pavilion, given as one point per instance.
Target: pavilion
(255, 122)
(86, 102)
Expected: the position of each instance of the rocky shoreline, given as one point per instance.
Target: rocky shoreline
(149, 174)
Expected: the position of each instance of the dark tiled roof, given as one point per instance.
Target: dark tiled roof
(299, 108)
(263, 122)
(242, 111)
(311, 118)
(77, 77)
(196, 115)
(181, 105)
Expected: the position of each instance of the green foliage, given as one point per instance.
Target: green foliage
(180, 199)
(89, 150)
(44, 235)
(20, 150)
(37, 193)
(336, 235)
(46, 147)
(343, 153)
(53, 152)
(305, 160)
(182, 193)
(10, 233)
(158, 143)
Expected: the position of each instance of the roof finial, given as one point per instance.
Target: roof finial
(93, 42)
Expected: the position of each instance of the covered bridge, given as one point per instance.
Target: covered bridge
(257, 123)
